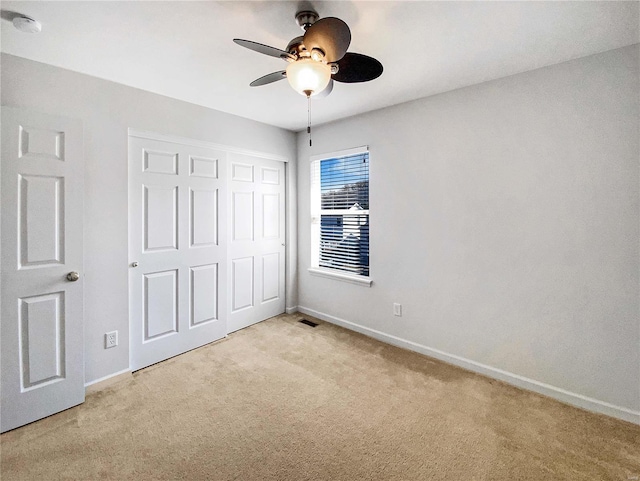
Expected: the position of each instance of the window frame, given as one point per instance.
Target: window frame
(316, 212)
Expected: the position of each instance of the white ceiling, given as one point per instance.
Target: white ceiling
(184, 49)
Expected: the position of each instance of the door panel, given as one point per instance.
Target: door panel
(203, 209)
(270, 176)
(160, 162)
(160, 220)
(40, 143)
(270, 276)
(41, 327)
(160, 304)
(40, 216)
(270, 216)
(203, 294)
(256, 244)
(41, 342)
(242, 216)
(204, 167)
(242, 283)
(177, 219)
(241, 172)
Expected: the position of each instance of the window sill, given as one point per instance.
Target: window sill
(352, 279)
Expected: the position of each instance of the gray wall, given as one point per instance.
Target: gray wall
(504, 218)
(107, 110)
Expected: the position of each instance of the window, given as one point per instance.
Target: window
(340, 214)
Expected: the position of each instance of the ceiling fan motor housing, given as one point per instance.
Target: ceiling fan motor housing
(306, 18)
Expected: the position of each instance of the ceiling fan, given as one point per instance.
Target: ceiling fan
(318, 57)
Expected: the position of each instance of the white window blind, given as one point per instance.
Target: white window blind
(340, 212)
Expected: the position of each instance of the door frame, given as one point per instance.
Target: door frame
(290, 259)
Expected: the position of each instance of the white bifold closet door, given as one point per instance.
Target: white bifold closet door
(177, 219)
(256, 240)
(206, 247)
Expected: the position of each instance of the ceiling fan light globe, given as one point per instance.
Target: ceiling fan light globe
(306, 75)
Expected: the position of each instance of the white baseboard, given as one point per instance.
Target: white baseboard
(107, 377)
(291, 310)
(559, 394)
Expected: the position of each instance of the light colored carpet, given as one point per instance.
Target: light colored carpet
(284, 401)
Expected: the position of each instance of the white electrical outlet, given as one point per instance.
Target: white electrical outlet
(397, 309)
(111, 339)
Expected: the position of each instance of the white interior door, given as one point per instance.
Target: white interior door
(42, 328)
(256, 241)
(177, 218)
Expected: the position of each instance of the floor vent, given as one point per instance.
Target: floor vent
(308, 323)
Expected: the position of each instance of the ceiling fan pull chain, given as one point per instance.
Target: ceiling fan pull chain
(309, 118)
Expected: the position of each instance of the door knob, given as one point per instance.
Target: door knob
(73, 276)
(134, 264)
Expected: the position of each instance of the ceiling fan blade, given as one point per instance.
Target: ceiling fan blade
(269, 78)
(327, 90)
(331, 35)
(355, 67)
(265, 49)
